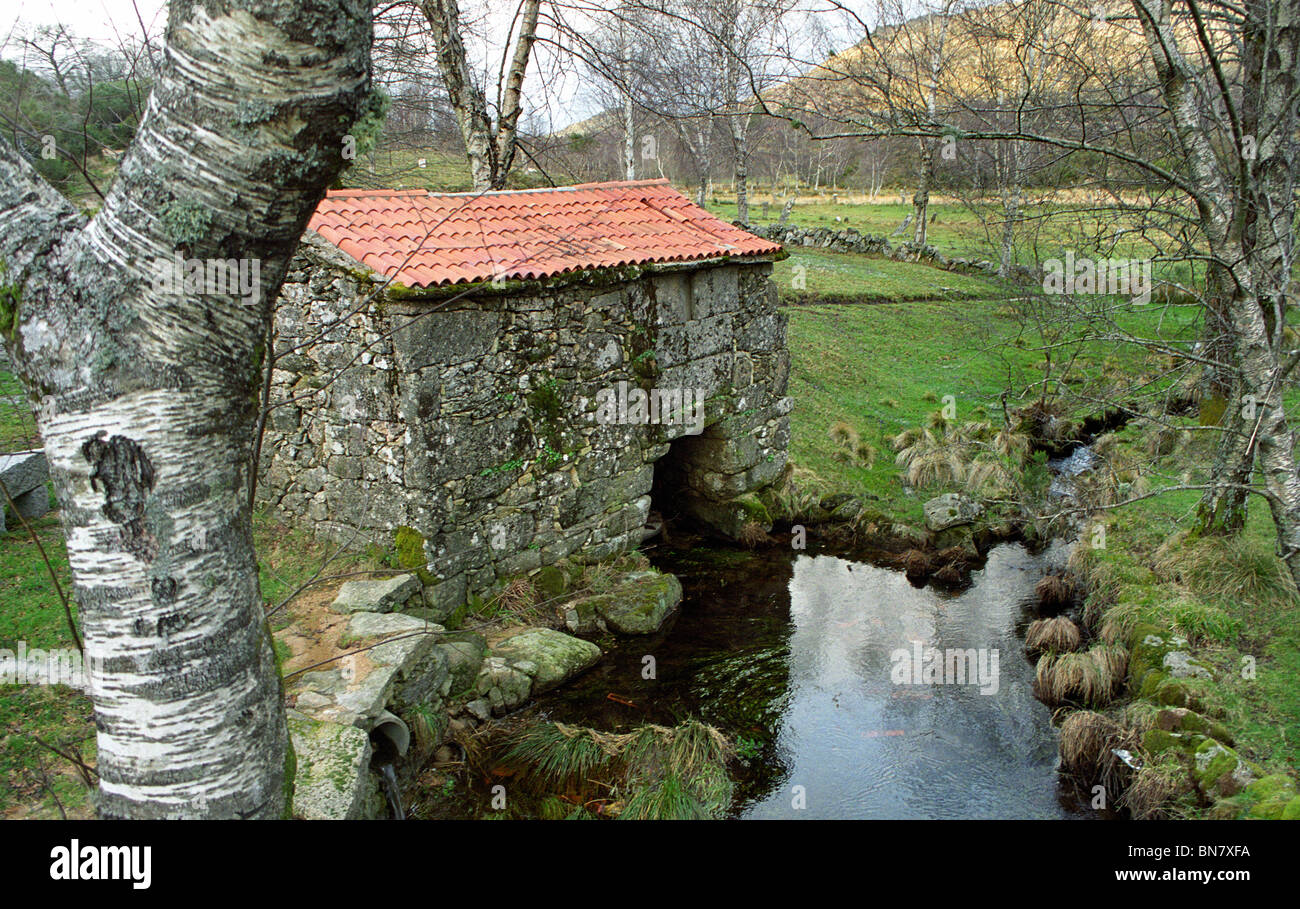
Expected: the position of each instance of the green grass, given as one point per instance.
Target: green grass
(443, 171)
(17, 426)
(1197, 586)
(840, 277)
(57, 715)
(647, 773)
(883, 369)
(955, 230)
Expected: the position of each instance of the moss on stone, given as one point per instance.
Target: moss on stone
(639, 604)
(408, 546)
(551, 582)
(1158, 741)
(1212, 761)
(1270, 796)
(754, 509)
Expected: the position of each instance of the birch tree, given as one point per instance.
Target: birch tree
(147, 392)
(490, 145)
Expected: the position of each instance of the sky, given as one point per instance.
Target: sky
(558, 103)
(105, 20)
(99, 20)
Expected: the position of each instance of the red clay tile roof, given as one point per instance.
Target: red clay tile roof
(424, 239)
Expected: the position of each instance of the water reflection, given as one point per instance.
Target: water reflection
(794, 654)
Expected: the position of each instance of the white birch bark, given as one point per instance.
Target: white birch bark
(148, 399)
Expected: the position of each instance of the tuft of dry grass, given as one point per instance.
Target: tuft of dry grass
(650, 772)
(1057, 635)
(916, 564)
(843, 434)
(753, 534)
(1158, 792)
(950, 576)
(1089, 678)
(1055, 592)
(1238, 567)
(1088, 744)
(851, 448)
(519, 595)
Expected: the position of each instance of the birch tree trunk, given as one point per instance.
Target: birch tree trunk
(740, 139)
(463, 92)
(507, 131)
(490, 149)
(921, 201)
(148, 397)
(629, 139)
(1223, 507)
(1248, 217)
(1011, 199)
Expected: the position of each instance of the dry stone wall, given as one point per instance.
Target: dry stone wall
(496, 431)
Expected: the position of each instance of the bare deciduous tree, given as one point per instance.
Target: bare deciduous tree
(490, 145)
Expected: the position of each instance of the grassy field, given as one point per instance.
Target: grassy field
(836, 277)
(955, 230)
(883, 369)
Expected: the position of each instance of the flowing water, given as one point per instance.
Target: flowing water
(798, 655)
(1066, 468)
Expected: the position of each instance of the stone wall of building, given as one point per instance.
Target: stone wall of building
(463, 428)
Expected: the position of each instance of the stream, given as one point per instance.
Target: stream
(795, 656)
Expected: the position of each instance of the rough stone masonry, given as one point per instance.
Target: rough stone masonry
(459, 424)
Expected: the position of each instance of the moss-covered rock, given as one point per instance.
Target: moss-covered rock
(1218, 770)
(546, 656)
(1270, 796)
(1158, 741)
(332, 776)
(408, 546)
(550, 582)
(1148, 646)
(640, 604)
(728, 518)
(464, 651)
(1180, 719)
(1292, 810)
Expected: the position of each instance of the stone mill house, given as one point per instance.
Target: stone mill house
(493, 381)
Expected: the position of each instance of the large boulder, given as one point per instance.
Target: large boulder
(640, 604)
(546, 656)
(24, 475)
(951, 510)
(379, 595)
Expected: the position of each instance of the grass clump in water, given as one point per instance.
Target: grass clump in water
(650, 773)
